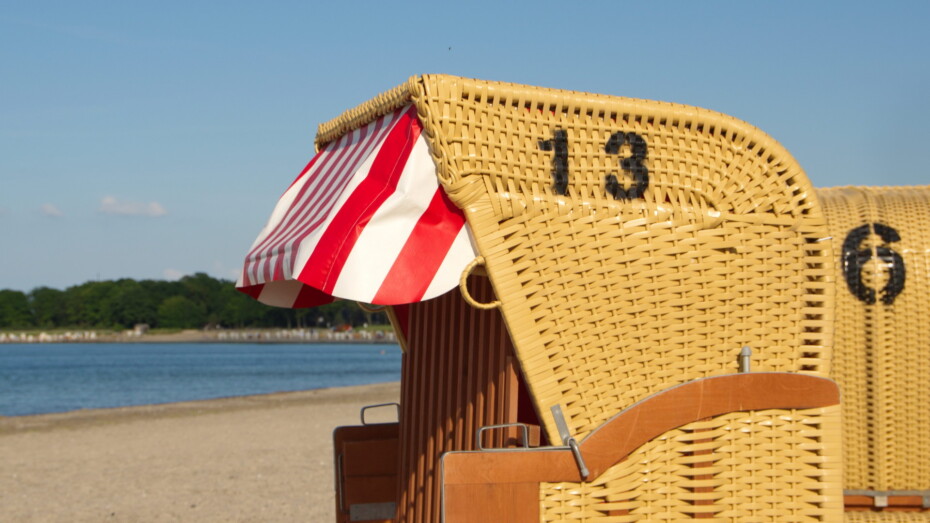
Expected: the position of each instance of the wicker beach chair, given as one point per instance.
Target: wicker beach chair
(882, 347)
(628, 253)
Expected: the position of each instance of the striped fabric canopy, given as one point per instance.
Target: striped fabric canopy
(366, 220)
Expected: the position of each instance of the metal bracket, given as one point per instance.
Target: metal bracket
(379, 405)
(745, 359)
(523, 428)
(372, 511)
(568, 440)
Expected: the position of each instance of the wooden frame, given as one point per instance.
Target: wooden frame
(366, 472)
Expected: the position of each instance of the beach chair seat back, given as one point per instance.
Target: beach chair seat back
(633, 245)
(881, 238)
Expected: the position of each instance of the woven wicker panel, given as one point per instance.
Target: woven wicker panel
(882, 333)
(887, 517)
(772, 465)
(610, 300)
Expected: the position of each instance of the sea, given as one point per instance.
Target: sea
(62, 377)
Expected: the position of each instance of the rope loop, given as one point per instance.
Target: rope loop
(463, 287)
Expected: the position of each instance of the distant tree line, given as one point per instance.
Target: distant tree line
(196, 301)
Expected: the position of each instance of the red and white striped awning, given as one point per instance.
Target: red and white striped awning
(366, 220)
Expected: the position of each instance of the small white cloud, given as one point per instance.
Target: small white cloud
(172, 274)
(111, 205)
(225, 271)
(49, 209)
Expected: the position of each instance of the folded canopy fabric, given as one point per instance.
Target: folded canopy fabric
(366, 220)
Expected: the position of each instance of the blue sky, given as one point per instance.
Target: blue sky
(152, 139)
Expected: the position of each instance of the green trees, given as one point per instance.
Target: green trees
(48, 307)
(14, 309)
(194, 301)
(181, 312)
(128, 304)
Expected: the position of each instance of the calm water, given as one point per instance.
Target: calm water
(44, 378)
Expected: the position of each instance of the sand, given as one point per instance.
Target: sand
(261, 458)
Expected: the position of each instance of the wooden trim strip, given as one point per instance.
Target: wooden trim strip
(892, 500)
(700, 399)
(612, 442)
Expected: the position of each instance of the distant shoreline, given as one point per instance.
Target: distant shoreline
(176, 409)
(206, 336)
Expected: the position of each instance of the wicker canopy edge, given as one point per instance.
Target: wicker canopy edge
(365, 113)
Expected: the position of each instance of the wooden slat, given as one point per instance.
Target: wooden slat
(895, 503)
(367, 465)
(477, 503)
(458, 375)
(506, 467)
(370, 489)
(370, 458)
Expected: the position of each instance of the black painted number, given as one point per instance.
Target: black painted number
(559, 147)
(855, 258)
(632, 165)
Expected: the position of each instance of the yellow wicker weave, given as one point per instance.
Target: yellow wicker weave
(744, 466)
(882, 338)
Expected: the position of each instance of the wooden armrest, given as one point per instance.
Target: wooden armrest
(700, 399)
(479, 485)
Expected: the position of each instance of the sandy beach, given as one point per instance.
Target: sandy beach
(255, 458)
